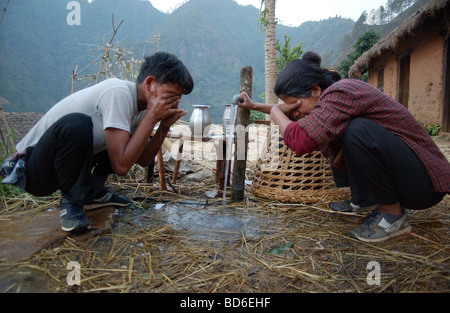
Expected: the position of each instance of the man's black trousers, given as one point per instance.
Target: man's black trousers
(63, 160)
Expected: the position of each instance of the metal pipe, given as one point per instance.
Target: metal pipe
(230, 140)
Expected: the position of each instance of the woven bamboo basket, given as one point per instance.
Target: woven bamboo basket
(283, 176)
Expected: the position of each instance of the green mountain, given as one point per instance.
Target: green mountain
(214, 38)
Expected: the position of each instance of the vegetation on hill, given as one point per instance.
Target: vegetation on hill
(40, 52)
(214, 38)
(364, 42)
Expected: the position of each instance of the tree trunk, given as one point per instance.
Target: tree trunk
(270, 53)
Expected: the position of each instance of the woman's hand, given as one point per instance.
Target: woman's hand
(286, 108)
(248, 103)
(279, 114)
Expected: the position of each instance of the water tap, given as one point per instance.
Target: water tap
(236, 99)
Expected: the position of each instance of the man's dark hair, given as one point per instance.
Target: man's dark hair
(166, 68)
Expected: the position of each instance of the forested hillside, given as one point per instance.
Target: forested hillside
(39, 50)
(215, 38)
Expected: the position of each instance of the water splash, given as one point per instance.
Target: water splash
(230, 141)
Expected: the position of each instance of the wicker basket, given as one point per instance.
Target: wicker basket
(281, 175)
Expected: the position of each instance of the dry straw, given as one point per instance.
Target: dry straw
(145, 253)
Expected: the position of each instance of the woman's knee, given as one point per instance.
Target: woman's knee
(356, 132)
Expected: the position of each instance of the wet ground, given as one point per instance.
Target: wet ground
(205, 221)
(214, 234)
(210, 221)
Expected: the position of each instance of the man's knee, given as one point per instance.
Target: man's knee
(76, 121)
(76, 125)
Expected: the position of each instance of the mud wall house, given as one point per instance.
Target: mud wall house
(412, 64)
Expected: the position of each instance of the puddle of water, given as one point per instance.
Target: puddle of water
(24, 281)
(206, 222)
(214, 222)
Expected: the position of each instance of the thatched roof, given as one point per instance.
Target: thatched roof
(19, 122)
(435, 11)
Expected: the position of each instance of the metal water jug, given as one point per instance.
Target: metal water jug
(200, 121)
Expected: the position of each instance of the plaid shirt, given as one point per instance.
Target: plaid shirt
(350, 98)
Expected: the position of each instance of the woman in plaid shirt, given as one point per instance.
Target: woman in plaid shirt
(374, 144)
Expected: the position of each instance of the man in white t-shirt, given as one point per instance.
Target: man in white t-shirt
(97, 131)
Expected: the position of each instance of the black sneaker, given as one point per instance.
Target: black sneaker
(72, 216)
(109, 199)
(347, 206)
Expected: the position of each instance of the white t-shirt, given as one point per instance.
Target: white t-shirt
(110, 103)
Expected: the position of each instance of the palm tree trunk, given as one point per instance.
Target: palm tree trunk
(270, 53)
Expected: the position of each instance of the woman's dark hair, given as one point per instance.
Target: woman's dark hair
(166, 68)
(299, 76)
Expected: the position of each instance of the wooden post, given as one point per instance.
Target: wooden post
(149, 171)
(162, 175)
(243, 120)
(221, 154)
(178, 161)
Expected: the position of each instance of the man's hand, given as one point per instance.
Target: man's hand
(173, 118)
(164, 106)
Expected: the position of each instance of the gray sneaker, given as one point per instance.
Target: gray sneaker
(347, 206)
(72, 216)
(108, 199)
(378, 229)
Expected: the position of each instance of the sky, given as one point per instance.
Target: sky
(296, 12)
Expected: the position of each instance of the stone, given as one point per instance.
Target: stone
(23, 236)
(200, 175)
